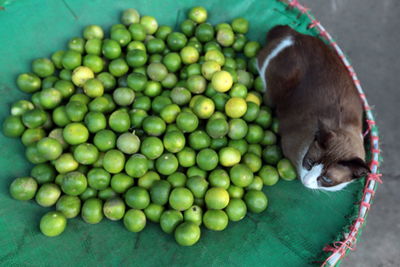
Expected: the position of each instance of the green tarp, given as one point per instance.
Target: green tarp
(291, 232)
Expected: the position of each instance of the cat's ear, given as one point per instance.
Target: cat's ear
(324, 134)
(358, 167)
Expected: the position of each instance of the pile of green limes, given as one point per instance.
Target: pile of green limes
(149, 124)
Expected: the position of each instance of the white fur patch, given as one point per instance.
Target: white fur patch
(309, 178)
(288, 41)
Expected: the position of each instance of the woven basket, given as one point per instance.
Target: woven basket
(299, 228)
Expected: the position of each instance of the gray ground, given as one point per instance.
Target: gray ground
(368, 31)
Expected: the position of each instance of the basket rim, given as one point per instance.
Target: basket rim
(348, 241)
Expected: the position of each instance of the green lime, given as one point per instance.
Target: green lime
(43, 173)
(119, 121)
(256, 201)
(92, 210)
(20, 107)
(93, 31)
(43, 67)
(137, 198)
(159, 192)
(169, 220)
(137, 117)
(136, 58)
(23, 188)
(174, 141)
(251, 49)
(219, 178)
(257, 184)
(95, 121)
(74, 183)
(225, 37)
(122, 36)
(70, 206)
(187, 122)
(208, 69)
(196, 171)
(47, 195)
(111, 49)
(186, 157)
(204, 32)
(235, 107)
(66, 74)
(66, 163)
(89, 193)
(237, 129)
(75, 133)
(152, 89)
(98, 178)
(170, 112)
(240, 25)
(176, 41)
(159, 102)
(154, 125)
(198, 185)
(236, 209)
(264, 119)
(138, 31)
(148, 179)
(28, 82)
(49, 148)
(216, 56)
(13, 126)
(153, 212)
(53, 223)
(207, 159)
(56, 57)
(172, 62)
(188, 27)
(177, 179)
(194, 214)
(137, 82)
(167, 164)
(76, 110)
(155, 46)
(136, 166)
(107, 80)
(77, 44)
(128, 143)
(60, 117)
(215, 220)
(181, 199)
(32, 154)
(238, 90)
(222, 81)
(199, 140)
(217, 198)
(50, 98)
(81, 74)
(180, 96)
(114, 161)
(150, 24)
(105, 140)
(130, 16)
(272, 154)
(275, 125)
(204, 107)
(120, 182)
(269, 138)
(86, 153)
(235, 191)
(189, 55)
(71, 59)
(241, 175)
(286, 170)
(136, 45)
(252, 161)
(93, 88)
(135, 220)
(118, 67)
(152, 147)
(217, 128)
(66, 88)
(198, 14)
(163, 32)
(31, 119)
(107, 193)
(187, 234)
(229, 156)
(255, 134)
(252, 112)
(114, 209)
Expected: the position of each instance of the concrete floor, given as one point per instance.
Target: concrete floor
(368, 31)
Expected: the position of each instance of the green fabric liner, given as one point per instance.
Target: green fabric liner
(291, 232)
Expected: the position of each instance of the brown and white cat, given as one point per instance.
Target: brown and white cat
(318, 107)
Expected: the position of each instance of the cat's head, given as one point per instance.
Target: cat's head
(334, 159)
